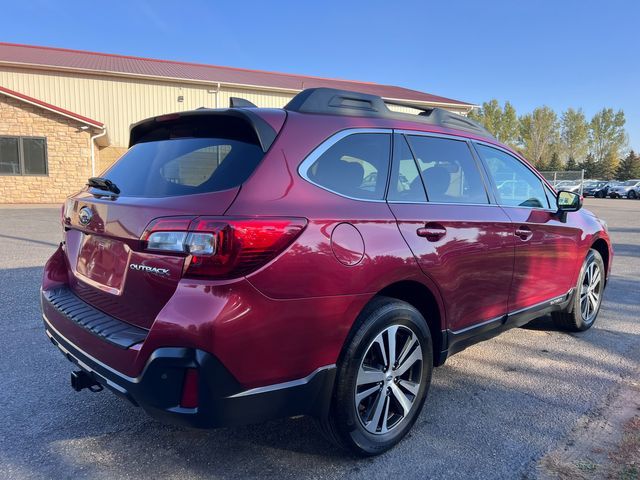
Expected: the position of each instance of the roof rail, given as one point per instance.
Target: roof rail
(331, 101)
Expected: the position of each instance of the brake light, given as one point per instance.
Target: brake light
(222, 247)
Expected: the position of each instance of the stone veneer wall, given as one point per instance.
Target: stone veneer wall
(69, 153)
(107, 157)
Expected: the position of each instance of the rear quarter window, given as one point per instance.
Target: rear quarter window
(356, 166)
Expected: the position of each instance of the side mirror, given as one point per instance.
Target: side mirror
(569, 201)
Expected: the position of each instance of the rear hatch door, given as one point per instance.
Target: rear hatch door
(182, 165)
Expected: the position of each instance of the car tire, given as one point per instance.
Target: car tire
(632, 195)
(599, 195)
(373, 408)
(587, 298)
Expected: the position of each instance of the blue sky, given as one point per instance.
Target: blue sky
(559, 53)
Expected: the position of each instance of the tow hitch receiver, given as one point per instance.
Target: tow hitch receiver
(81, 380)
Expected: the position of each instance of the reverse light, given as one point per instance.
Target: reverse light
(167, 241)
(222, 247)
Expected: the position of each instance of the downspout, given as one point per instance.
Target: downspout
(93, 153)
(217, 93)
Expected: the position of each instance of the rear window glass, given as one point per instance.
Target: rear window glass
(184, 166)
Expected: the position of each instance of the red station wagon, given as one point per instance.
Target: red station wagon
(243, 264)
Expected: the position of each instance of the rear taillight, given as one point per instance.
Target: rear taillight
(222, 247)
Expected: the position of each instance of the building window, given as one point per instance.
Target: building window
(23, 156)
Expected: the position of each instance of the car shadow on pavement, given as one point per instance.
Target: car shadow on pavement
(497, 397)
(509, 404)
(516, 393)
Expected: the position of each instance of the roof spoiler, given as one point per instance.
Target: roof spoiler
(237, 102)
(168, 126)
(330, 101)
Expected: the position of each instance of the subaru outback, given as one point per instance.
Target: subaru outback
(243, 264)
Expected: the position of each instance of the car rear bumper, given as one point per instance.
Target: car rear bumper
(222, 401)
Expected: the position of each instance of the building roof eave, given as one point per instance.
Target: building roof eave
(52, 108)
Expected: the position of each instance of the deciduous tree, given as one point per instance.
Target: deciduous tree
(509, 126)
(608, 166)
(574, 134)
(501, 122)
(539, 133)
(607, 134)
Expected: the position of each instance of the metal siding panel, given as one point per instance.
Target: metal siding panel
(119, 102)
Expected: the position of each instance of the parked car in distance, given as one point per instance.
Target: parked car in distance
(590, 187)
(568, 186)
(627, 189)
(243, 264)
(558, 184)
(604, 190)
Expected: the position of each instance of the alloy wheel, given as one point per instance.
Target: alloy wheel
(389, 379)
(590, 292)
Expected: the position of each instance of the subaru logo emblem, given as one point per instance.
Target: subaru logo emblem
(85, 215)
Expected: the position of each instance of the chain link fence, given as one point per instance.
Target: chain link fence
(572, 180)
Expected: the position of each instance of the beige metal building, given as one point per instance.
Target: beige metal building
(93, 98)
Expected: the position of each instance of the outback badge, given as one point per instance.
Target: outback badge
(163, 272)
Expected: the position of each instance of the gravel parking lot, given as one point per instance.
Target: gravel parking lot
(493, 411)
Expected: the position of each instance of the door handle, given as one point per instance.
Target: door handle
(524, 233)
(432, 231)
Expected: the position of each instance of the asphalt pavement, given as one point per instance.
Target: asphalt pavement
(493, 410)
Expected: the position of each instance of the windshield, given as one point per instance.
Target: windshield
(184, 166)
(630, 183)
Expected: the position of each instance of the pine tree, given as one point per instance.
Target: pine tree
(571, 165)
(554, 164)
(629, 167)
(589, 166)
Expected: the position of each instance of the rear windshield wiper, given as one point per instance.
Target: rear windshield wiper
(103, 184)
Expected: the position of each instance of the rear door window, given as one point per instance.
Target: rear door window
(356, 166)
(449, 172)
(184, 166)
